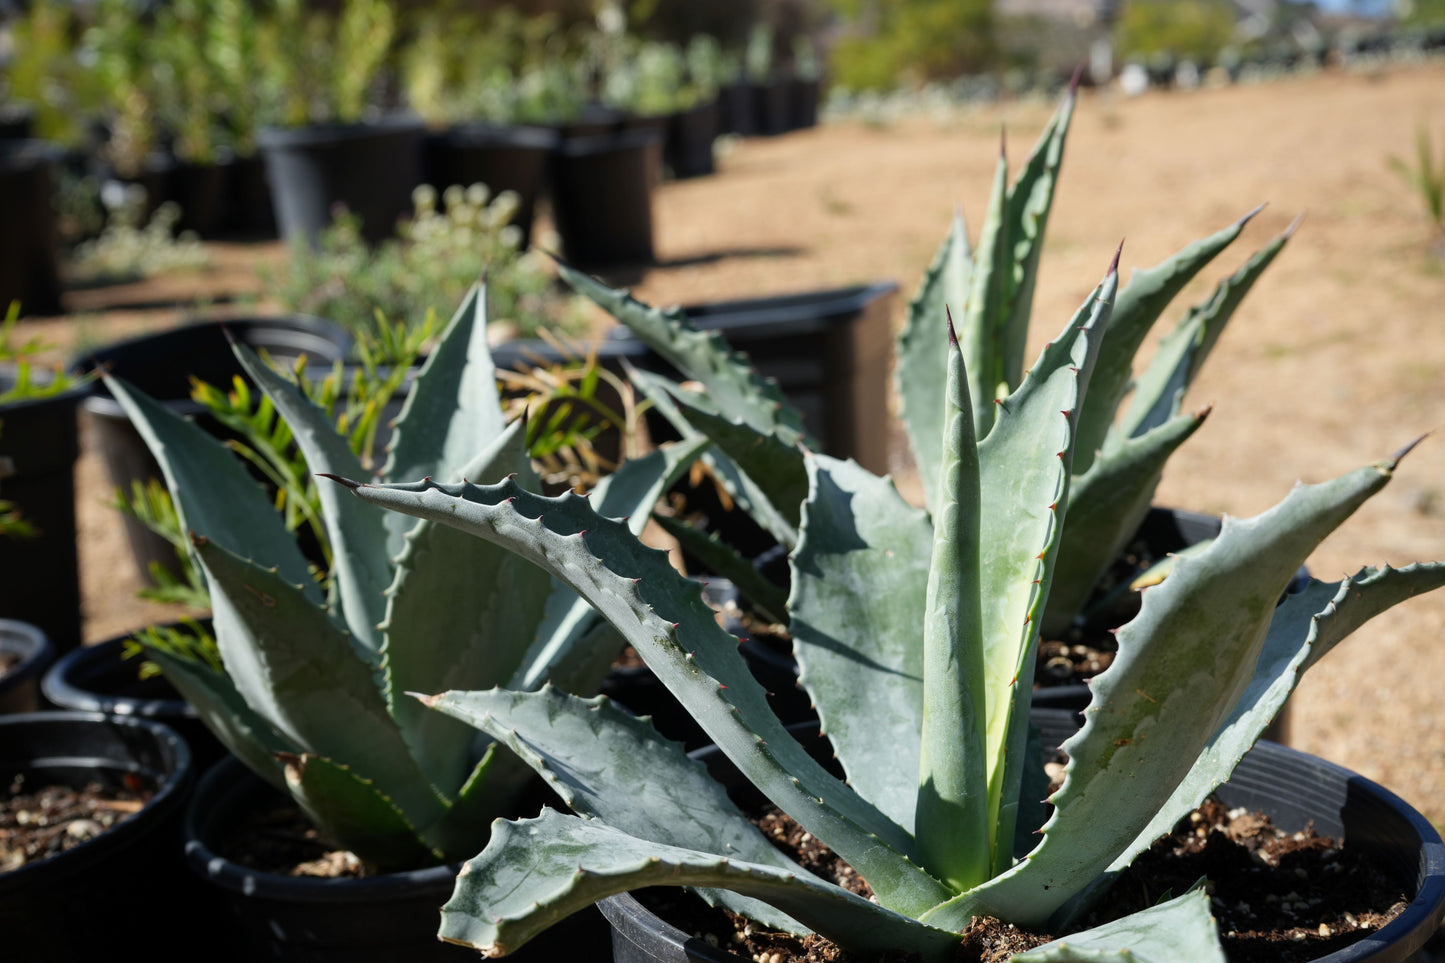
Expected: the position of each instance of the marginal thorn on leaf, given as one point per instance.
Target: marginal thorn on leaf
(339, 480)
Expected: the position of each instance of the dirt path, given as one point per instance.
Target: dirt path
(1336, 360)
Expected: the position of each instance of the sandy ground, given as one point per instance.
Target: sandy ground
(1336, 359)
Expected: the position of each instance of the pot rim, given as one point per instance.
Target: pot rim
(171, 790)
(230, 777)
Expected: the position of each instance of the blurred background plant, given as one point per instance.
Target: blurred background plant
(45, 72)
(1195, 30)
(435, 258)
(650, 79)
(1425, 177)
(322, 67)
(131, 246)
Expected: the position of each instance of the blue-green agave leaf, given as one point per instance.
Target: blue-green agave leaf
(612, 766)
(665, 619)
(1183, 665)
(360, 560)
(1030, 199)
(297, 669)
(1305, 626)
(462, 613)
(1180, 930)
(953, 812)
(238, 727)
(1160, 391)
(215, 496)
(1138, 306)
(350, 811)
(1107, 504)
(628, 494)
(1024, 466)
(728, 377)
(453, 409)
(983, 335)
(918, 374)
(859, 592)
(535, 872)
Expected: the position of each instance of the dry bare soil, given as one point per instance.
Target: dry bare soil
(1336, 359)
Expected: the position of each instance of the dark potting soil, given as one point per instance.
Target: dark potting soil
(280, 839)
(1277, 897)
(39, 821)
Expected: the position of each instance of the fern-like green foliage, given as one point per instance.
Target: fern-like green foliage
(310, 693)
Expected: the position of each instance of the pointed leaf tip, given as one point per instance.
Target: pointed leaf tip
(1293, 226)
(1250, 216)
(1398, 456)
(1077, 79)
(429, 701)
(1114, 264)
(339, 480)
(952, 335)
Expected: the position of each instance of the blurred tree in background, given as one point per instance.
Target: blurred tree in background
(887, 42)
(1188, 29)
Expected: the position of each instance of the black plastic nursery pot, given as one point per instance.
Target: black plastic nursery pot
(29, 243)
(33, 655)
(380, 919)
(773, 106)
(805, 94)
(203, 192)
(505, 158)
(370, 168)
(163, 364)
(101, 678)
(688, 152)
(602, 197)
(1295, 789)
(251, 212)
(40, 576)
(737, 109)
(830, 351)
(125, 888)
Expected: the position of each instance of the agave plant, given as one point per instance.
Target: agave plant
(1121, 451)
(314, 668)
(914, 630)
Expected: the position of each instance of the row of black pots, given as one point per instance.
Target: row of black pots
(770, 107)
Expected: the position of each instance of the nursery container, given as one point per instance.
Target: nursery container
(830, 351)
(29, 242)
(203, 192)
(687, 151)
(805, 93)
(40, 576)
(737, 109)
(1293, 788)
(505, 158)
(602, 197)
(125, 890)
(381, 919)
(20, 686)
(773, 106)
(163, 364)
(369, 168)
(100, 678)
(251, 212)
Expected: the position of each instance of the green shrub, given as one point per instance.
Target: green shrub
(1194, 29)
(909, 43)
(431, 263)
